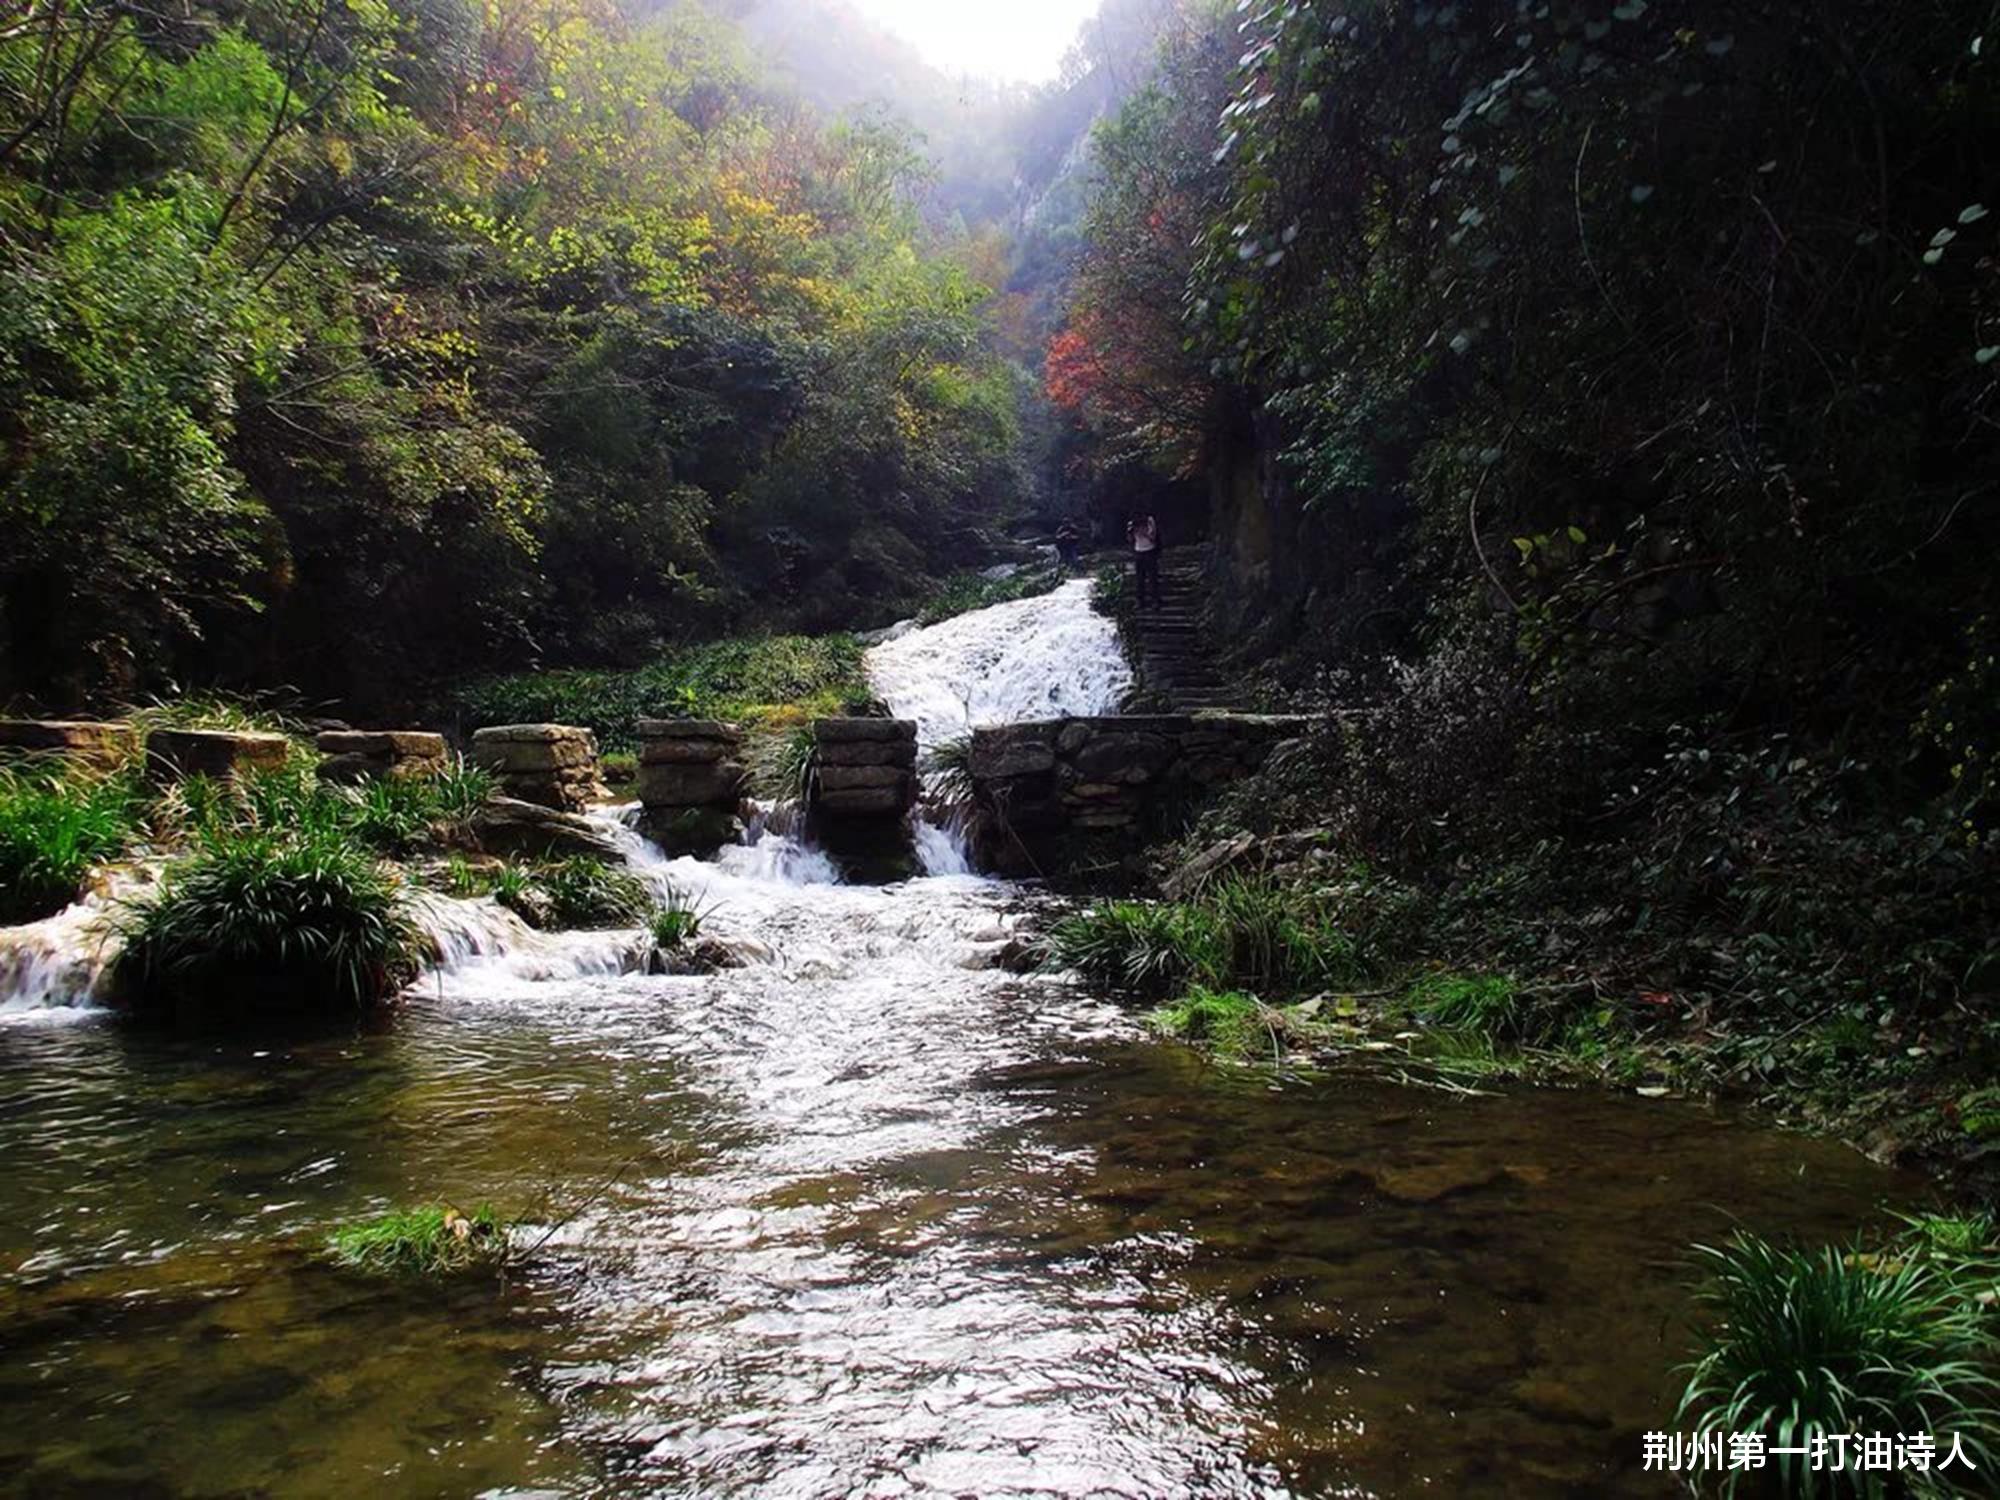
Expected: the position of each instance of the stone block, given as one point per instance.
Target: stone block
(692, 785)
(384, 744)
(1123, 757)
(1075, 735)
(174, 754)
(684, 752)
(869, 753)
(506, 825)
(355, 757)
(1013, 750)
(689, 729)
(871, 802)
(102, 747)
(691, 831)
(848, 731)
(851, 778)
(531, 734)
(514, 757)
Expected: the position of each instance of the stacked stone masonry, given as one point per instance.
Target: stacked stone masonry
(692, 781)
(864, 768)
(355, 756)
(550, 765)
(174, 754)
(99, 747)
(1039, 785)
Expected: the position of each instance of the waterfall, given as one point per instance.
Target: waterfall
(1049, 657)
(1045, 657)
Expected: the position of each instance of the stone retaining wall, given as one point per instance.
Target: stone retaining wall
(550, 765)
(101, 747)
(173, 754)
(356, 756)
(1043, 789)
(692, 782)
(863, 790)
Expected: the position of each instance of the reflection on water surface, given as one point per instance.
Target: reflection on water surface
(881, 1220)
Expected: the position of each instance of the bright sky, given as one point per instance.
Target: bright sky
(1022, 40)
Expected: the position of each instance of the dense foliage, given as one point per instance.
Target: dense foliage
(352, 345)
(1602, 394)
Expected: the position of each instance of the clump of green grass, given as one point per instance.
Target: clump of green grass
(1148, 949)
(1231, 1023)
(55, 828)
(1492, 1004)
(758, 680)
(576, 895)
(433, 1241)
(1241, 934)
(948, 772)
(781, 763)
(1822, 1342)
(269, 922)
(677, 920)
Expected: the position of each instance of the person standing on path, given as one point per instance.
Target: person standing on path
(1145, 537)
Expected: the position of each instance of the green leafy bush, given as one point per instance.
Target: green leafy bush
(1821, 1342)
(434, 1241)
(270, 923)
(1150, 949)
(54, 830)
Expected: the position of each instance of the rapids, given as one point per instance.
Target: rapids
(868, 1215)
(1048, 657)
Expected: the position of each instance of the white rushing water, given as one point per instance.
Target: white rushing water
(1050, 657)
(1045, 657)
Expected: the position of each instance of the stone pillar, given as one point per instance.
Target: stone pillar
(691, 780)
(96, 747)
(550, 765)
(355, 757)
(175, 754)
(864, 788)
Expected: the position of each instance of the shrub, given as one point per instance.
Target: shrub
(432, 1241)
(53, 831)
(267, 922)
(1276, 939)
(1821, 1342)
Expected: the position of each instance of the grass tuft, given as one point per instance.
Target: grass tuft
(434, 1241)
(54, 829)
(1811, 1343)
(678, 919)
(269, 922)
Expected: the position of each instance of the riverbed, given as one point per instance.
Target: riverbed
(868, 1216)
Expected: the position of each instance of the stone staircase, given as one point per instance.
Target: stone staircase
(1174, 657)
